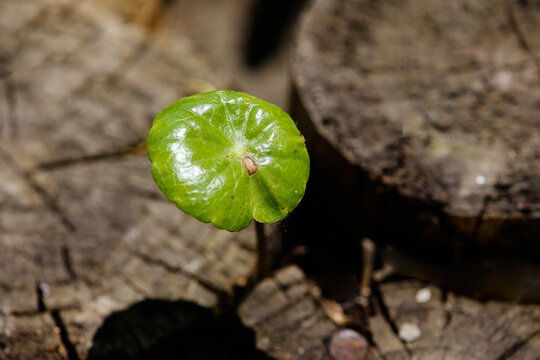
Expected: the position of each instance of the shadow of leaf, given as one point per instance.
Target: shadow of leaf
(161, 329)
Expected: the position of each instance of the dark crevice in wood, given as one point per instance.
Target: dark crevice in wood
(377, 294)
(378, 351)
(291, 328)
(369, 335)
(5, 73)
(22, 313)
(58, 321)
(520, 36)
(362, 326)
(11, 100)
(64, 336)
(40, 292)
(383, 308)
(149, 195)
(197, 248)
(285, 287)
(68, 263)
(480, 217)
(133, 286)
(173, 269)
(130, 150)
(291, 302)
(512, 350)
(5, 286)
(282, 309)
(51, 203)
(224, 298)
(447, 310)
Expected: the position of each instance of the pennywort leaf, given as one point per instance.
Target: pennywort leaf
(226, 157)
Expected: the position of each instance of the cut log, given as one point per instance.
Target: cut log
(445, 326)
(455, 327)
(287, 321)
(289, 324)
(423, 121)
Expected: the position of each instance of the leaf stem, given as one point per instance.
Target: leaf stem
(368, 262)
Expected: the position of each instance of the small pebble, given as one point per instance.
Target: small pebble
(480, 180)
(409, 332)
(45, 289)
(423, 295)
(347, 344)
(502, 81)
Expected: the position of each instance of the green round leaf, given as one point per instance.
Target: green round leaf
(227, 157)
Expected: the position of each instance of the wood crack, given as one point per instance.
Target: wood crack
(64, 336)
(386, 316)
(11, 127)
(67, 262)
(480, 217)
(512, 350)
(136, 149)
(5, 286)
(133, 286)
(282, 309)
(59, 322)
(447, 307)
(148, 194)
(48, 200)
(520, 36)
(298, 323)
(173, 269)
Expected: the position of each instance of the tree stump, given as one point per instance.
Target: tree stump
(453, 327)
(286, 318)
(84, 231)
(289, 322)
(423, 121)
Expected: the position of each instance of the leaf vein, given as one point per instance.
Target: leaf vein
(263, 131)
(227, 115)
(247, 119)
(207, 121)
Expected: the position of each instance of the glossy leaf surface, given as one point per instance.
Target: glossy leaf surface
(227, 157)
